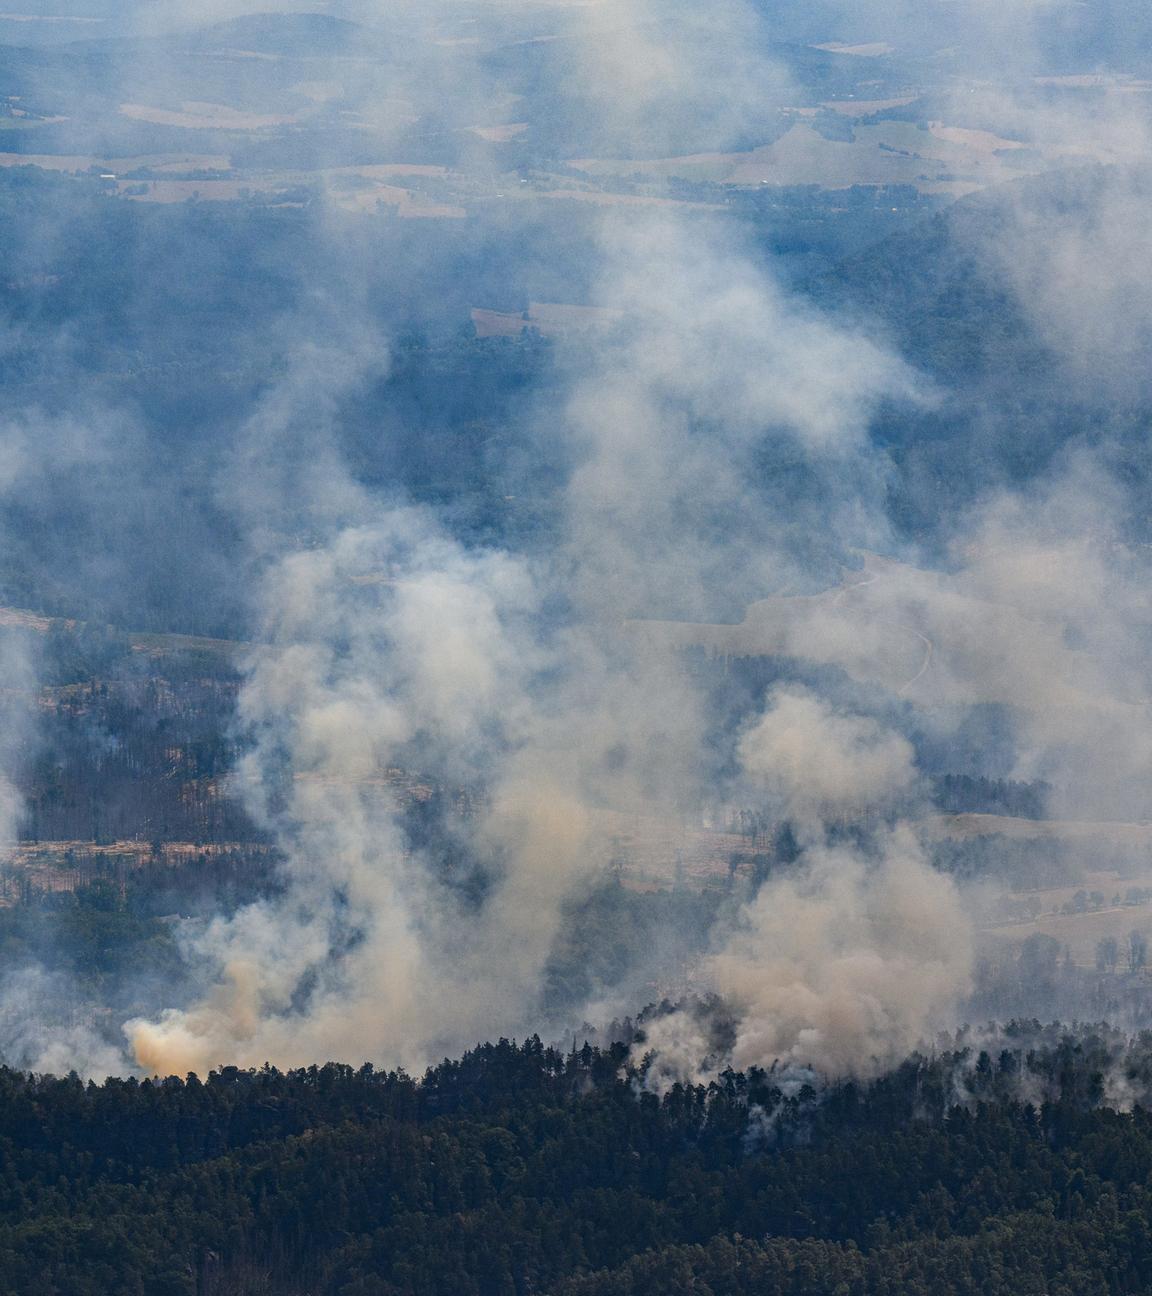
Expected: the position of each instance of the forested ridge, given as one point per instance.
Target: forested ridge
(520, 1169)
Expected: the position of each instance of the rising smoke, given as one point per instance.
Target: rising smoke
(385, 641)
(392, 645)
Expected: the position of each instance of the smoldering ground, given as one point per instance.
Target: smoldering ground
(387, 638)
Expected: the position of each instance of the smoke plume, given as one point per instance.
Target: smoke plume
(709, 474)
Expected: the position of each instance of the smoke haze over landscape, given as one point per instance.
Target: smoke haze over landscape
(555, 438)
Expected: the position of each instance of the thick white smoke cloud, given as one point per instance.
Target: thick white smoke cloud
(847, 961)
(714, 364)
(388, 638)
(850, 966)
(817, 763)
(844, 967)
(1078, 659)
(42, 1029)
(1073, 270)
(656, 73)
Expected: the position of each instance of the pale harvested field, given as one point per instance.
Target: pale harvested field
(562, 316)
(155, 645)
(162, 645)
(371, 199)
(49, 19)
(259, 55)
(980, 140)
(499, 134)
(1080, 831)
(1124, 82)
(553, 319)
(490, 323)
(873, 49)
(180, 191)
(916, 633)
(885, 152)
(21, 620)
(1079, 932)
(207, 116)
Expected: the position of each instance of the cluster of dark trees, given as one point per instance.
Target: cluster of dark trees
(522, 1169)
(1020, 863)
(969, 794)
(1131, 953)
(144, 757)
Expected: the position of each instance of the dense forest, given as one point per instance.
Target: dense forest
(994, 1165)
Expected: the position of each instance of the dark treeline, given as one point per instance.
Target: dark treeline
(1021, 863)
(965, 794)
(996, 1165)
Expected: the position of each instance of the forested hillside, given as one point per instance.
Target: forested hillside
(521, 1169)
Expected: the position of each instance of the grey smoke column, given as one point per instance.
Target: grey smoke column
(391, 642)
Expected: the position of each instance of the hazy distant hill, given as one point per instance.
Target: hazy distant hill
(293, 35)
(1066, 34)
